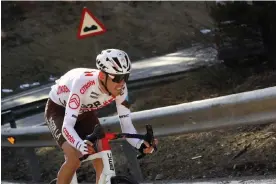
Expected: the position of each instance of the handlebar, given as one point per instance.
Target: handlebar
(98, 133)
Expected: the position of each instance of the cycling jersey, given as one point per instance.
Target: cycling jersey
(79, 91)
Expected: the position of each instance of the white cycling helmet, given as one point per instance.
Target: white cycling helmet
(113, 61)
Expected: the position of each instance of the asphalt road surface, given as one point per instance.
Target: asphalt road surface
(241, 180)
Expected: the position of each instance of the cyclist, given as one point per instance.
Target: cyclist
(73, 99)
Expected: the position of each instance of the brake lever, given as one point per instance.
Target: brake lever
(97, 134)
(149, 137)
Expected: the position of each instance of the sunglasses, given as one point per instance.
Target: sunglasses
(119, 78)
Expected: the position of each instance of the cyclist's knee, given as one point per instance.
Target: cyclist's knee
(71, 156)
(73, 162)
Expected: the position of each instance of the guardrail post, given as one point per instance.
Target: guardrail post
(33, 164)
(12, 121)
(131, 156)
(8, 116)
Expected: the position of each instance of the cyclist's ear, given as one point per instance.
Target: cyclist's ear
(102, 75)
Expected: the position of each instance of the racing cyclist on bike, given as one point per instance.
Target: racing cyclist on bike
(73, 99)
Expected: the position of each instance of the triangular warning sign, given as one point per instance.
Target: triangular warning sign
(89, 25)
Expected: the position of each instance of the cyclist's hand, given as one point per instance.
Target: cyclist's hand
(86, 148)
(149, 149)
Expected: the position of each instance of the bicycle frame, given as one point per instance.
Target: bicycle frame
(108, 163)
(105, 151)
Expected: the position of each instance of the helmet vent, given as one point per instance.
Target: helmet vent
(115, 69)
(126, 59)
(117, 62)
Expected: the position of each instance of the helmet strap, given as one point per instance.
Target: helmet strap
(105, 84)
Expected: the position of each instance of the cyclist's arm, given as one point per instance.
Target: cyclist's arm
(71, 113)
(122, 104)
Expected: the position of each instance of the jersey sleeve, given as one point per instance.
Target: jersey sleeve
(71, 113)
(123, 109)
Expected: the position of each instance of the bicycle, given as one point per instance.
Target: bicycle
(108, 175)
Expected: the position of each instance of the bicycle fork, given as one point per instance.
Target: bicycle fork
(108, 167)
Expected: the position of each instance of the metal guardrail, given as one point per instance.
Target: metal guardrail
(22, 111)
(253, 107)
(8, 117)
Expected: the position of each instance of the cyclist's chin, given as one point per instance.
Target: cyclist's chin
(115, 93)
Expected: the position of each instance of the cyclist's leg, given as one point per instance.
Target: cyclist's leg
(98, 166)
(88, 120)
(54, 115)
(70, 165)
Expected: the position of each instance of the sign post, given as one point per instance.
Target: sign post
(90, 26)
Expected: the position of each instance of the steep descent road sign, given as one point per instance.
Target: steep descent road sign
(89, 25)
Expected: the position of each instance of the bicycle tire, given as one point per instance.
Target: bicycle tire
(123, 180)
(54, 181)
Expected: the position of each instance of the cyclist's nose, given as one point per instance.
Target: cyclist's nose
(122, 82)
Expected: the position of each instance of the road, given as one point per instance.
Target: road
(240, 180)
(180, 61)
(34, 120)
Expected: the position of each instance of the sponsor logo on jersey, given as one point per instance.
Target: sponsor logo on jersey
(110, 161)
(62, 103)
(86, 86)
(95, 106)
(92, 105)
(74, 116)
(53, 128)
(74, 101)
(94, 95)
(89, 73)
(62, 89)
(124, 116)
(78, 145)
(69, 137)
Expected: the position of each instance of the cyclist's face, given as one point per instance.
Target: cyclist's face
(115, 87)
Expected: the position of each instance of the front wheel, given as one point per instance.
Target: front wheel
(123, 180)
